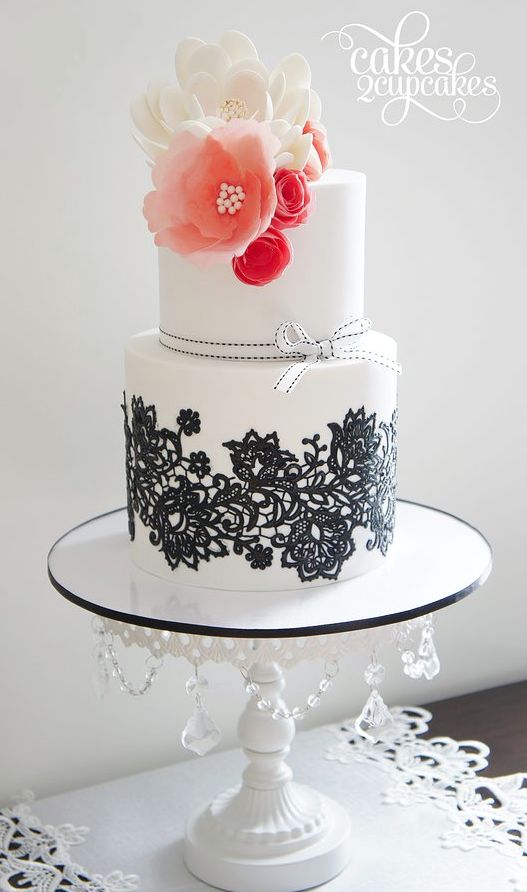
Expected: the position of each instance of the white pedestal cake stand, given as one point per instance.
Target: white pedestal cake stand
(269, 834)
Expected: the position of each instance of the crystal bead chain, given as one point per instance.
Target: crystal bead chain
(106, 651)
(153, 665)
(331, 669)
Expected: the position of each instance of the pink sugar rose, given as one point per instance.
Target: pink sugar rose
(265, 259)
(293, 198)
(320, 155)
(230, 167)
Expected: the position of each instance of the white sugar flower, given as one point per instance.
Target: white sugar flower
(223, 81)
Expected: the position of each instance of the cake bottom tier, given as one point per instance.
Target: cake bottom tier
(234, 485)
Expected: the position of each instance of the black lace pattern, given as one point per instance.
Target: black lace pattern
(303, 511)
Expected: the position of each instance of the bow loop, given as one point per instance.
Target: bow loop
(291, 339)
(348, 335)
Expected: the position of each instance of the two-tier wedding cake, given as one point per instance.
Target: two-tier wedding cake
(260, 416)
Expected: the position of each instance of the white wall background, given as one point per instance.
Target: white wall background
(445, 275)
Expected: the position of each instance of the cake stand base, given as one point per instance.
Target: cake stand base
(256, 871)
(269, 833)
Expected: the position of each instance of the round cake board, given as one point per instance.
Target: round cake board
(436, 559)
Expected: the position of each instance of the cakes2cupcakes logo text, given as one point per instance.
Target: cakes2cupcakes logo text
(402, 72)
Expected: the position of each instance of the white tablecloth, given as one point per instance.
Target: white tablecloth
(137, 825)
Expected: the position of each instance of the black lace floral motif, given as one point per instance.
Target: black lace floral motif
(304, 509)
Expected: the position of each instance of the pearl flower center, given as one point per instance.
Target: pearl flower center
(230, 199)
(233, 108)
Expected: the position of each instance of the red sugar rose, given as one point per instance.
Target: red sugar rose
(294, 201)
(265, 259)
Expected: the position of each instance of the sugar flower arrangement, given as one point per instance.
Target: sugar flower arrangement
(233, 150)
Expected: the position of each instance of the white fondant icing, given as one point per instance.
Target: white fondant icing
(323, 285)
(233, 397)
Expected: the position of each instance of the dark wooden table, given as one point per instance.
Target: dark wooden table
(498, 717)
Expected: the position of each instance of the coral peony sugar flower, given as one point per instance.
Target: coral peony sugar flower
(214, 191)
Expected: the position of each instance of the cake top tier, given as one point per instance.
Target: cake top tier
(236, 151)
(322, 287)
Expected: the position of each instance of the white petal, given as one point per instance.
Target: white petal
(250, 87)
(146, 123)
(301, 149)
(212, 59)
(198, 128)
(290, 136)
(212, 121)
(206, 89)
(284, 159)
(238, 46)
(277, 87)
(172, 106)
(185, 50)
(295, 106)
(153, 92)
(315, 107)
(296, 69)
(268, 113)
(152, 149)
(195, 110)
(280, 127)
(250, 65)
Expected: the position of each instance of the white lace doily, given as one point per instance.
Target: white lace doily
(198, 649)
(484, 812)
(35, 856)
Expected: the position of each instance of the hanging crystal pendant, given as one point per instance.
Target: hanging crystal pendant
(375, 717)
(428, 653)
(426, 661)
(412, 667)
(201, 733)
(101, 677)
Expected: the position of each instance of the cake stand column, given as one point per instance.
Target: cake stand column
(300, 837)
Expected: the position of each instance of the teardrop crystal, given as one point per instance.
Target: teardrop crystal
(201, 733)
(374, 719)
(428, 654)
(412, 668)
